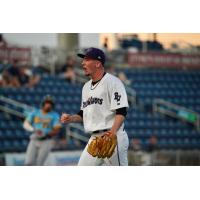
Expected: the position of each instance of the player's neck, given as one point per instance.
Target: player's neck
(98, 76)
(44, 112)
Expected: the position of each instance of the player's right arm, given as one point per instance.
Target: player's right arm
(67, 118)
(27, 125)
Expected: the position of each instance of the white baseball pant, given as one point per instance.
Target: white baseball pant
(119, 158)
(37, 151)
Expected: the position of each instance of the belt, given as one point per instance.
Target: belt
(100, 131)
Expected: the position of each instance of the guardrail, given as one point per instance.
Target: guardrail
(74, 134)
(9, 105)
(176, 111)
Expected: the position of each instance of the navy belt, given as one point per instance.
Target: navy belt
(100, 131)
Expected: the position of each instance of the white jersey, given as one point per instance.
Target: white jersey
(100, 101)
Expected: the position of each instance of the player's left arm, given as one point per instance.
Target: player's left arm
(56, 126)
(118, 121)
(54, 131)
(119, 104)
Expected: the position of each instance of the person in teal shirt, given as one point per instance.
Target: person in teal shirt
(44, 125)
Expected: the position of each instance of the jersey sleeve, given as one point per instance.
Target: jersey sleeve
(56, 121)
(81, 107)
(118, 95)
(30, 117)
(82, 97)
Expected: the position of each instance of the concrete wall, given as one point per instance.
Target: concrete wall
(89, 40)
(32, 39)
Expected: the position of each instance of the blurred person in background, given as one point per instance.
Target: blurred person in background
(136, 144)
(121, 75)
(70, 75)
(44, 125)
(24, 78)
(67, 71)
(27, 78)
(110, 69)
(153, 144)
(5, 79)
(136, 154)
(13, 73)
(105, 44)
(18, 76)
(70, 62)
(151, 148)
(2, 41)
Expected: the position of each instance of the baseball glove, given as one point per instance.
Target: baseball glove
(103, 146)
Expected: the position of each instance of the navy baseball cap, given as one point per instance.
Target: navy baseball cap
(94, 53)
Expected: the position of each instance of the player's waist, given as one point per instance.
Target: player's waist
(104, 130)
(100, 131)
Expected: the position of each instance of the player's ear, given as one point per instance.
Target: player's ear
(98, 65)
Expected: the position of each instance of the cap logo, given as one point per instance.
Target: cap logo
(88, 50)
(99, 57)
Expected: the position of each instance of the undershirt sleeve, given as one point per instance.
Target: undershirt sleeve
(80, 113)
(121, 111)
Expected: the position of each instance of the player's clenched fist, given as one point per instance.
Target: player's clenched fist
(65, 118)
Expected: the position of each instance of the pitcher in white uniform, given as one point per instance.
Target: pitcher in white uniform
(103, 108)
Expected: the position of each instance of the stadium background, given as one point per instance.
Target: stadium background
(162, 80)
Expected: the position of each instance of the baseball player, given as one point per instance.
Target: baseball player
(44, 125)
(103, 110)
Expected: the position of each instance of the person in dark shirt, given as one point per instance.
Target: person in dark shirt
(2, 41)
(23, 77)
(70, 62)
(14, 74)
(68, 72)
(153, 144)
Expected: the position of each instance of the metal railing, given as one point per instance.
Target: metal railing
(74, 134)
(174, 110)
(11, 106)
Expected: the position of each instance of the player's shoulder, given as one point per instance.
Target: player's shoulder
(111, 79)
(87, 84)
(54, 114)
(35, 111)
(111, 76)
(32, 113)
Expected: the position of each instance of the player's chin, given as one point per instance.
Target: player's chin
(87, 74)
(48, 109)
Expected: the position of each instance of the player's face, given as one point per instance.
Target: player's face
(47, 107)
(89, 66)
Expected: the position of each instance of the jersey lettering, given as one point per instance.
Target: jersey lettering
(117, 97)
(92, 100)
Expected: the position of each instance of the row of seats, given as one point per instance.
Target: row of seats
(174, 144)
(163, 133)
(13, 145)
